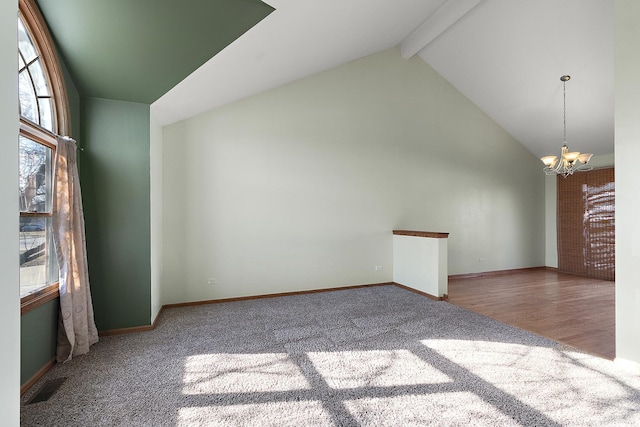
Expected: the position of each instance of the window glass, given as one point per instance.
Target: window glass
(28, 103)
(38, 266)
(46, 113)
(25, 45)
(37, 263)
(34, 176)
(39, 79)
(35, 94)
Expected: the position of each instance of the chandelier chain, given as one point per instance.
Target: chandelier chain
(564, 110)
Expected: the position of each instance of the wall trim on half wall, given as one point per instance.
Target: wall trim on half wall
(444, 297)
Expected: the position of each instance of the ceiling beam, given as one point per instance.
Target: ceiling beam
(435, 24)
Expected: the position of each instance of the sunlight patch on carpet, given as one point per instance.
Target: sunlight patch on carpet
(307, 413)
(377, 368)
(451, 409)
(241, 373)
(570, 384)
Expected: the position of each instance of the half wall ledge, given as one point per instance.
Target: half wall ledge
(420, 261)
(430, 234)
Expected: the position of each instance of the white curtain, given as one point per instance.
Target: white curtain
(77, 329)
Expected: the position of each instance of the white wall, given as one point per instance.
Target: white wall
(299, 187)
(421, 263)
(550, 231)
(551, 235)
(627, 147)
(10, 287)
(155, 163)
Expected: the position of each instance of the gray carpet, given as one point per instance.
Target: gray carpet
(379, 356)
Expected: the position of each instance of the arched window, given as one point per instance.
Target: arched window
(43, 112)
(35, 95)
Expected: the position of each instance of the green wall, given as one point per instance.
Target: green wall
(38, 336)
(73, 97)
(115, 189)
(114, 176)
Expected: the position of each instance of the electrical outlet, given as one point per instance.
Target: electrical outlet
(212, 281)
(378, 268)
(481, 260)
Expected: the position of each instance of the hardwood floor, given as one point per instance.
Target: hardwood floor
(573, 310)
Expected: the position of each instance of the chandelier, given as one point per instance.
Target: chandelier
(570, 161)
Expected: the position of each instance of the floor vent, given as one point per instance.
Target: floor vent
(46, 390)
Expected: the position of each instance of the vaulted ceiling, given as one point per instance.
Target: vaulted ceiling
(506, 56)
